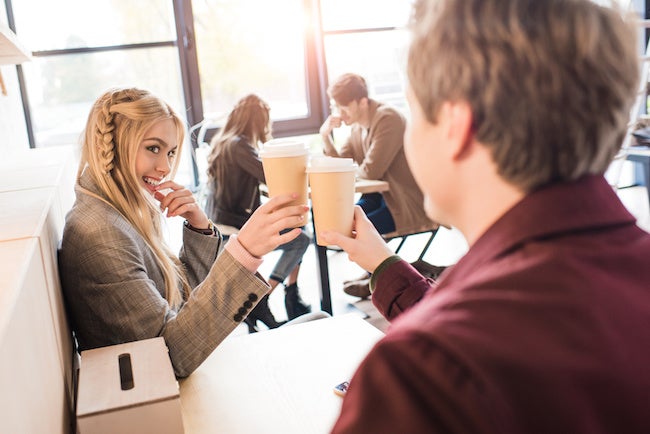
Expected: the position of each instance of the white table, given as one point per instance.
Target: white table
(276, 381)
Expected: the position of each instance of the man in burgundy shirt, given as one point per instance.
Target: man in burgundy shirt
(517, 108)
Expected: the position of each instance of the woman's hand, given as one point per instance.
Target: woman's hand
(367, 248)
(261, 233)
(181, 202)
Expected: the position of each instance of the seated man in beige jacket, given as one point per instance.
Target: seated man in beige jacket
(376, 144)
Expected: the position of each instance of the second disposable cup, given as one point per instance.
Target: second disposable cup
(332, 194)
(285, 163)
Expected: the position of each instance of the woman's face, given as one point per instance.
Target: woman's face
(156, 154)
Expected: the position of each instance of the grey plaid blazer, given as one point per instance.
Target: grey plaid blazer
(114, 291)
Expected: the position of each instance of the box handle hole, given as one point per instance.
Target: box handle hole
(126, 371)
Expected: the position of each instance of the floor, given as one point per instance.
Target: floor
(448, 246)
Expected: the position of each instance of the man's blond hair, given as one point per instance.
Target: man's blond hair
(550, 83)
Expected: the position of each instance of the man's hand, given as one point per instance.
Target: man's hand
(330, 123)
(367, 248)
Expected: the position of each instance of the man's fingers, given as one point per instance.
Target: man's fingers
(336, 238)
(360, 216)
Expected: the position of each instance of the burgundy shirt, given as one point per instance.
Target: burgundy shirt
(542, 327)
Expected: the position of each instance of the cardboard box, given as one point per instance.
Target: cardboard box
(128, 388)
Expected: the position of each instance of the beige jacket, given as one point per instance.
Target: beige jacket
(380, 155)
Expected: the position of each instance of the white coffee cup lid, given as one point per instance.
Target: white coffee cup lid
(283, 148)
(331, 164)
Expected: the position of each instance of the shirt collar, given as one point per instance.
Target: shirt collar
(587, 203)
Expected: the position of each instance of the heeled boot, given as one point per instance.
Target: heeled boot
(261, 313)
(293, 302)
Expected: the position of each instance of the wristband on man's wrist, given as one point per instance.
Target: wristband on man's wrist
(380, 268)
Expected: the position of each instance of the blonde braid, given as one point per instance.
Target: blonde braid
(104, 135)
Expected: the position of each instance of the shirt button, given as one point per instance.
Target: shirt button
(252, 297)
(241, 311)
(237, 317)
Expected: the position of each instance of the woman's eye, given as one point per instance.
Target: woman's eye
(172, 154)
(154, 149)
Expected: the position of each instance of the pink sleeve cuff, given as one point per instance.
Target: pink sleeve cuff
(243, 256)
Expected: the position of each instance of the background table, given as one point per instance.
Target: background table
(361, 186)
(641, 154)
(277, 381)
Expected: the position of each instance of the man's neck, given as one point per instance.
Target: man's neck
(364, 118)
(481, 195)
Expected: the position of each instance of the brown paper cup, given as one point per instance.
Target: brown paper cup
(285, 164)
(332, 195)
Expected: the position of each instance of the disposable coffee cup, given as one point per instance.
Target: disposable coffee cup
(332, 194)
(285, 163)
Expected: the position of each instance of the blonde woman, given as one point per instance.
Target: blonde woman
(235, 173)
(121, 282)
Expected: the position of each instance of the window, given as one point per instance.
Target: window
(370, 44)
(262, 47)
(105, 43)
(77, 56)
(203, 55)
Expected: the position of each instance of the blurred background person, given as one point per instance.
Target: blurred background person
(376, 144)
(233, 194)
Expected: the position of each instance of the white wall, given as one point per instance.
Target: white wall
(13, 131)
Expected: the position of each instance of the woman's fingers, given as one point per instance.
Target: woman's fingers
(278, 202)
(180, 201)
(261, 233)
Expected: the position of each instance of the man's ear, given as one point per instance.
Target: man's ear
(458, 118)
(363, 103)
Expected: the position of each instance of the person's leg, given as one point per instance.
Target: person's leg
(293, 276)
(377, 212)
(370, 202)
(292, 254)
(261, 312)
(289, 266)
(289, 262)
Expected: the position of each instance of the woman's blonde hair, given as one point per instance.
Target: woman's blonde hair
(116, 127)
(550, 83)
(249, 119)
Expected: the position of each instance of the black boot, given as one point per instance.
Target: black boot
(294, 304)
(261, 313)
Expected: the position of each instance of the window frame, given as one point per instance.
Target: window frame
(315, 70)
